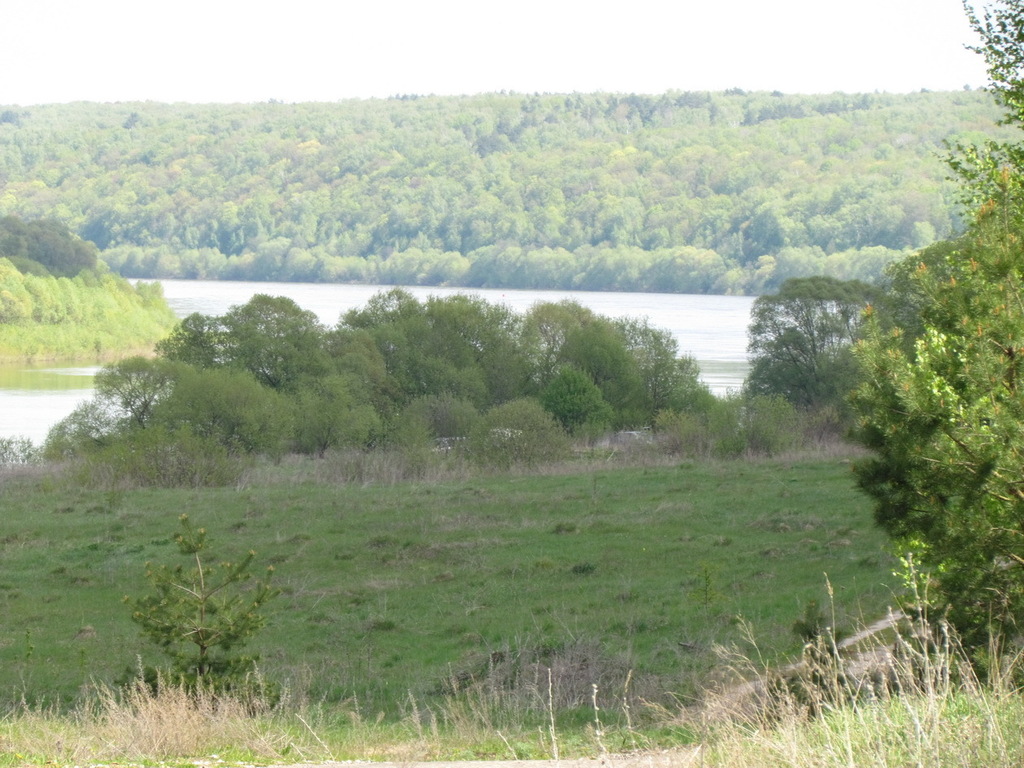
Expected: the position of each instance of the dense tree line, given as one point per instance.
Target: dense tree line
(682, 192)
(57, 301)
(267, 378)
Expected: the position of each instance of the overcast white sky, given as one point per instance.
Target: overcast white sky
(325, 50)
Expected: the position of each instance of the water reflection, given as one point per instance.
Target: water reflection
(47, 377)
(34, 397)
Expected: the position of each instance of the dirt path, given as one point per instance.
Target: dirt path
(891, 620)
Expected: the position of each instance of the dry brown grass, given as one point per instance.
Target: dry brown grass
(901, 702)
(172, 722)
(912, 700)
(139, 724)
(30, 471)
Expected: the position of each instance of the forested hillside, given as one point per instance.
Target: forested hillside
(58, 302)
(690, 192)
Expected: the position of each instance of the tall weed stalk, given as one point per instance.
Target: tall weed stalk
(910, 701)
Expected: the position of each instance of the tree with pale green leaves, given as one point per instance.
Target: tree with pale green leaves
(135, 385)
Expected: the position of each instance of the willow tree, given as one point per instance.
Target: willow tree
(800, 339)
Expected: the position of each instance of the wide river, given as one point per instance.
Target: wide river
(713, 329)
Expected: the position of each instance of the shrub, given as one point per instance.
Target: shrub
(683, 434)
(731, 427)
(17, 450)
(157, 457)
(771, 425)
(91, 426)
(574, 399)
(228, 406)
(327, 415)
(445, 416)
(517, 434)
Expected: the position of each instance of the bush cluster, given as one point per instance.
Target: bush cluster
(738, 426)
(447, 381)
(446, 376)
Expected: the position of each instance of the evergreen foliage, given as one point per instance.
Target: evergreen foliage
(201, 615)
(943, 419)
(941, 404)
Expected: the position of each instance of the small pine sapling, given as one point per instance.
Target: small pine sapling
(201, 615)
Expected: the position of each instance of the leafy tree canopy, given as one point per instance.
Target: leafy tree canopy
(800, 340)
(267, 378)
(45, 247)
(574, 400)
(271, 337)
(680, 192)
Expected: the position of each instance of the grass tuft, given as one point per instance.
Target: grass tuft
(883, 701)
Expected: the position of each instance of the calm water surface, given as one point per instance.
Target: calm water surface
(711, 328)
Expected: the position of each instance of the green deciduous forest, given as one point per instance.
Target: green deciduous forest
(59, 301)
(684, 192)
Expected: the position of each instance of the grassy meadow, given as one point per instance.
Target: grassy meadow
(401, 595)
(471, 617)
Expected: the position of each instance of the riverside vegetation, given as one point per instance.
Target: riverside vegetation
(473, 599)
(454, 545)
(463, 568)
(686, 192)
(58, 301)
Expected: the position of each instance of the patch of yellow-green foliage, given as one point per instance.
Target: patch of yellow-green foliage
(94, 315)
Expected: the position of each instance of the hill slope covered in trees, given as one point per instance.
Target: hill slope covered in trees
(691, 192)
(58, 301)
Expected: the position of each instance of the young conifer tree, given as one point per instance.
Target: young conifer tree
(203, 613)
(943, 410)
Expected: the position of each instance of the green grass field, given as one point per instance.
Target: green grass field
(394, 596)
